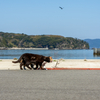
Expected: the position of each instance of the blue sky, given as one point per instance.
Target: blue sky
(78, 19)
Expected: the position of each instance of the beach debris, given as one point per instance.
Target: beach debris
(85, 59)
(61, 59)
(54, 60)
(15, 58)
(56, 64)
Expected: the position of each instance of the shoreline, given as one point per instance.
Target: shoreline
(4, 48)
(6, 64)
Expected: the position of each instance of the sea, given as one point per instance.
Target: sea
(55, 54)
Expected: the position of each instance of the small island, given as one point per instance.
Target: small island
(56, 42)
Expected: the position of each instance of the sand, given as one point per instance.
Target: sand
(6, 64)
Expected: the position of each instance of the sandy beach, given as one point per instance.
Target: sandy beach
(6, 64)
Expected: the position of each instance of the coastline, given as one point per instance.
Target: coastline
(6, 64)
(4, 48)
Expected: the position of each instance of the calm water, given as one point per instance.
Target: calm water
(56, 54)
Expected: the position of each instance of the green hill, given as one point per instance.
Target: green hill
(40, 41)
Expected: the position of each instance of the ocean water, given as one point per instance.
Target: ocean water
(56, 54)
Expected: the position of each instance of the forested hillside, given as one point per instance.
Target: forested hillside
(40, 41)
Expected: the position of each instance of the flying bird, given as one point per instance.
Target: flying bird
(61, 8)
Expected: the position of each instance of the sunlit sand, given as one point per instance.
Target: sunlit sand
(6, 64)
